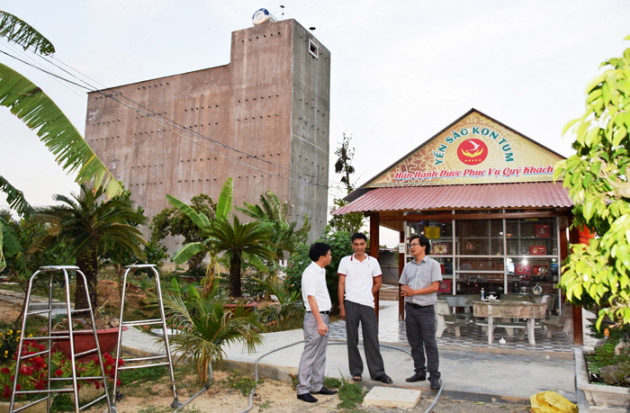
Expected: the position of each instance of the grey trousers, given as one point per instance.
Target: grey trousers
(420, 324)
(364, 314)
(313, 360)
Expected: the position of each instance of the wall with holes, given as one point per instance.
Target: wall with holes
(262, 119)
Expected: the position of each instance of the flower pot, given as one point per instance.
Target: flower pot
(610, 398)
(232, 307)
(84, 341)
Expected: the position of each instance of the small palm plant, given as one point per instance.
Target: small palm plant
(240, 242)
(289, 312)
(204, 326)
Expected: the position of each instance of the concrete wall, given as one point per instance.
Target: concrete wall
(310, 128)
(186, 134)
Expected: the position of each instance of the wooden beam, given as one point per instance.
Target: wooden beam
(574, 238)
(401, 265)
(474, 216)
(374, 242)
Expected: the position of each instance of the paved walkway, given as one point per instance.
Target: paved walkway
(471, 370)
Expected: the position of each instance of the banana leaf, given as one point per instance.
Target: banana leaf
(31, 105)
(18, 31)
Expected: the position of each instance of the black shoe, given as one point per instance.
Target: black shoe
(307, 397)
(384, 379)
(435, 382)
(416, 377)
(325, 391)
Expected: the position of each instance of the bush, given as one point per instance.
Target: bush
(340, 245)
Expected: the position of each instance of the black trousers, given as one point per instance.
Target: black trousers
(420, 324)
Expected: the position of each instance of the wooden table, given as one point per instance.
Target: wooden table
(510, 309)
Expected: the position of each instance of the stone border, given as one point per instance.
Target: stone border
(597, 397)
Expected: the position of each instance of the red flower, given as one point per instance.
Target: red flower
(5, 370)
(59, 373)
(7, 392)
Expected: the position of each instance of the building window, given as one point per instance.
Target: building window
(313, 48)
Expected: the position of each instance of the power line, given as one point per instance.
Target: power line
(151, 115)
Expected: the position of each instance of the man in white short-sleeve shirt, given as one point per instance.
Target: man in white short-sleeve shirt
(318, 304)
(359, 280)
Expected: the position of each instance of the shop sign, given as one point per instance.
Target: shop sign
(476, 149)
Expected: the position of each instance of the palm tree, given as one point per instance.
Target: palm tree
(241, 242)
(285, 237)
(88, 225)
(205, 326)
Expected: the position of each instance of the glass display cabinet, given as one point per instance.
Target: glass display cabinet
(501, 256)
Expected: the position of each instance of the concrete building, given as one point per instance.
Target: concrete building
(262, 119)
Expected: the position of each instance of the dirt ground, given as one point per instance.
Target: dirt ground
(271, 396)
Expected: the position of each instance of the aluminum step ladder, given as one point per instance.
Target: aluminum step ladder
(153, 360)
(48, 340)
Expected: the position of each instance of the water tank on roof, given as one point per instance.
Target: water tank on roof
(262, 16)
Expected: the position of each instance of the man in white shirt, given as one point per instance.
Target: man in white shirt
(317, 302)
(359, 280)
(419, 283)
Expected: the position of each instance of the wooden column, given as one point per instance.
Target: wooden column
(578, 328)
(374, 242)
(401, 265)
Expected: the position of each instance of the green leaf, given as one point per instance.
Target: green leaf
(31, 105)
(225, 199)
(21, 33)
(198, 219)
(568, 125)
(595, 82)
(3, 262)
(15, 197)
(187, 251)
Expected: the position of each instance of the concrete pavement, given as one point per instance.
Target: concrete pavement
(478, 374)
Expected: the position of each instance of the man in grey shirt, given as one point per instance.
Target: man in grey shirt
(420, 280)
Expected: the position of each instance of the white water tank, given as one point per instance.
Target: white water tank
(262, 16)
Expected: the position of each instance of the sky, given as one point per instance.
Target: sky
(400, 71)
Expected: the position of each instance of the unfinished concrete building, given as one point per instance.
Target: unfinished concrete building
(262, 119)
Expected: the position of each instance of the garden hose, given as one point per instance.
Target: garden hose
(251, 393)
(194, 396)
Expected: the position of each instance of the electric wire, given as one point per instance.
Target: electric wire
(29, 57)
(152, 116)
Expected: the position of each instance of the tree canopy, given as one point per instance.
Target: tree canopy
(597, 179)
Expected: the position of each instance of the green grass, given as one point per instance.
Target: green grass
(351, 395)
(604, 355)
(243, 384)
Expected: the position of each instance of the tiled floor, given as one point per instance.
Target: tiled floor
(393, 331)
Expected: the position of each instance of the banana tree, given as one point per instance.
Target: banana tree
(31, 105)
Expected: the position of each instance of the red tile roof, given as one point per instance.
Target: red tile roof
(487, 196)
